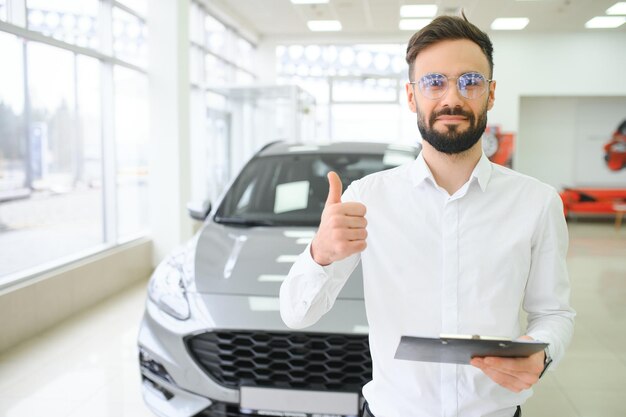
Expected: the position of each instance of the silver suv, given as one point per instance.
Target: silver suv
(212, 342)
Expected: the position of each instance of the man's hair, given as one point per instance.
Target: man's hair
(448, 28)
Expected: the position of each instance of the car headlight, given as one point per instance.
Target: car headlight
(167, 289)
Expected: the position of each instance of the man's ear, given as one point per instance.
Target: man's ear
(492, 95)
(410, 96)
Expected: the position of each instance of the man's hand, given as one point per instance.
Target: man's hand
(515, 374)
(342, 227)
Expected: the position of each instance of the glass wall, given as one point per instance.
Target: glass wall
(3, 9)
(131, 144)
(139, 6)
(219, 56)
(74, 22)
(13, 157)
(57, 159)
(130, 34)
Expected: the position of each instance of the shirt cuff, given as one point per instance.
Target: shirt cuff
(310, 265)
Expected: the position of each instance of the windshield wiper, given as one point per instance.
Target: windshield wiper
(238, 221)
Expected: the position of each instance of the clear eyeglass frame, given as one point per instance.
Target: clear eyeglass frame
(435, 92)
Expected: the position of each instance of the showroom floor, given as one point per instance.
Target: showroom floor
(87, 366)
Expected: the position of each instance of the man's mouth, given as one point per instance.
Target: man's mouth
(451, 119)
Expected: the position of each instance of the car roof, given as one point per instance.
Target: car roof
(285, 148)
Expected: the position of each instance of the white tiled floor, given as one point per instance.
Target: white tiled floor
(87, 366)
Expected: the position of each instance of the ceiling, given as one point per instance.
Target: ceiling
(282, 19)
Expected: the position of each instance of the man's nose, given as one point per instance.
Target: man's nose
(452, 98)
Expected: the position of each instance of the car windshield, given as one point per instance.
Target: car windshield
(290, 190)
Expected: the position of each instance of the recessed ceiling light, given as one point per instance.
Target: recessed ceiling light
(605, 22)
(324, 25)
(310, 1)
(509, 23)
(413, 24)
(617, 8)
(418, 10)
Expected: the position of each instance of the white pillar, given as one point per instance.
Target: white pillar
(170, 173)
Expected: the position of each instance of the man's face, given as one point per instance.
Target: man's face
(451, 124)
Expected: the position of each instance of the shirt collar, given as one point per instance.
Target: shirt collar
(481, 173)
(420, 171)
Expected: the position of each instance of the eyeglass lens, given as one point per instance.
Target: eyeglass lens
(470, 85)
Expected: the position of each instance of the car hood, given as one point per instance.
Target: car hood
(260, 313)
(254, 261)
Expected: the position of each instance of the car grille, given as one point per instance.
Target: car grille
(284, 360)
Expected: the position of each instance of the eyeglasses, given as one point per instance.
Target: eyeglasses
(471, 85)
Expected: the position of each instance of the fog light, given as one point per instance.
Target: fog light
(157, 389)
(148, 363)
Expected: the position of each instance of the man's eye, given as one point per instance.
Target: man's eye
(471, 81)
(434, 82)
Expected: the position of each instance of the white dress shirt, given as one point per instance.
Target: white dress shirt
(435, 263)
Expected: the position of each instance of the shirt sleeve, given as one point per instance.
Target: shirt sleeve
(550, 317)
(310, 290)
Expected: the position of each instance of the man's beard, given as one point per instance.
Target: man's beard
(453, 141)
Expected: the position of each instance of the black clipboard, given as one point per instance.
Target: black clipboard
(460, 349)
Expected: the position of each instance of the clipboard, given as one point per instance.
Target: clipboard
(460, 349)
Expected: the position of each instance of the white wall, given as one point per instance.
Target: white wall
(547, 150)
(561, 140)
(558, 68)
(569, 65)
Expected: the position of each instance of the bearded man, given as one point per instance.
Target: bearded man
(449, 243)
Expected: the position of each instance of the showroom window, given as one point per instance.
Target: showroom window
(74, 22)
(359, 89)
(130, 37)
(220, 57)
(131, 144)
(69, 184)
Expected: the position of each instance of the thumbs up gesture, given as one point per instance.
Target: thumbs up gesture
(342, 228)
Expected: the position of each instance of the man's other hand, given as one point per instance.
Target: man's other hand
(342, 227)
(515, 374)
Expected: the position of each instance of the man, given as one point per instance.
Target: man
(451, 243)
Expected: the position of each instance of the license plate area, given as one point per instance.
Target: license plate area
(302, 403)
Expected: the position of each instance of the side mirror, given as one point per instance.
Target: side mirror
(199, 210)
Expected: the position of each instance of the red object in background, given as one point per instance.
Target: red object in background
(592, 200)
(616, 149)
(498, 146)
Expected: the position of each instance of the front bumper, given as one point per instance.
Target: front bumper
(174, 385)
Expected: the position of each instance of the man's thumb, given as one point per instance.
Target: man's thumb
(334, 188)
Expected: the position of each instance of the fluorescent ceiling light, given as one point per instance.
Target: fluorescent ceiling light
(324, 25)
(617, 8)
(413, 24)
(418, 10)
(310, 1)
(605, 22)
(509, 23)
